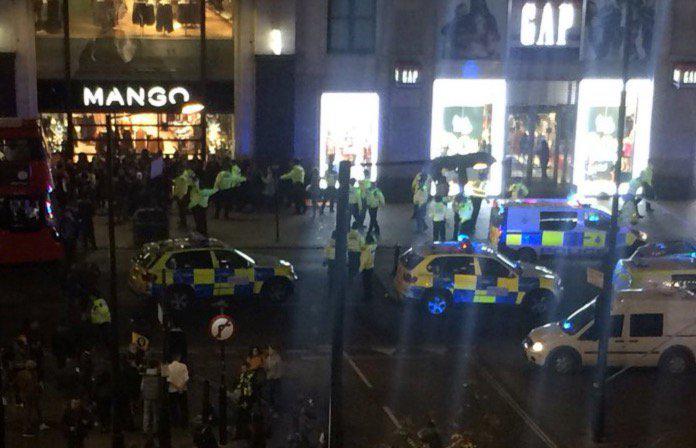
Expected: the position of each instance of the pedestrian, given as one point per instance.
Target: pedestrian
(420, 181)
(331, 177)
(375, 201)
(269, 188)
(204, 436)
(177, 380)
(463, 209)
(244, 391)
(544, 155)
(367, 265)
(85, 212)
(69, 230)
(438, 213)
(180, 192)
(355, 243)
(76, 423)
(314, 191)
(273, 364)
(476, 190)
(150, 391)
(29, 391)
(354, 200)
(420, 201)
(296, 176)
(198, 205)
(102, 394)
(255, 359)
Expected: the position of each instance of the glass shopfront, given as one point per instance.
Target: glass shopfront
(597, 127)
(469, 116)
(350, 131)
(155, 132)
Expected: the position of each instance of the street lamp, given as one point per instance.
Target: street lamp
(192, 107)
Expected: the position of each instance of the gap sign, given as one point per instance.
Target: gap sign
(548, 29)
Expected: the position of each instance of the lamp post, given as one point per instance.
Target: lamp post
(603, 304)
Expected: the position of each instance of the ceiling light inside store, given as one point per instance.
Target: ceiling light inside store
(192, 107)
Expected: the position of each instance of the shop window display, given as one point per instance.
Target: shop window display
(220, 134)
(350, 131)
(596, 142)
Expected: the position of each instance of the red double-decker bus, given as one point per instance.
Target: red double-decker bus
(27, 225)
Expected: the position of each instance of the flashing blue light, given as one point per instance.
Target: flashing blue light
(463, 237)
(567, 325)
(470, 69)
(594, 217)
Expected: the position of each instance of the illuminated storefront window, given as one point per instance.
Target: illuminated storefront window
(469, 116)
(597, 127)
(350, 131)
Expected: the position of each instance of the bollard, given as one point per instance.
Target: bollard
(205, 411)
(397, 252)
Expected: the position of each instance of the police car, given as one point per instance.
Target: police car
(640, 272)
(443, 274)
(191, 270)
(531, 228)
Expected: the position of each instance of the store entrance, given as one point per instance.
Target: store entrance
(539, 144)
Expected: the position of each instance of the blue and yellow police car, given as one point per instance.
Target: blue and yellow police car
(443, 274)
(530, 228)
(192, 270)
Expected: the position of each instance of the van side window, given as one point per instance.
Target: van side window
(646, 325)
(592, 333)
(559, 221)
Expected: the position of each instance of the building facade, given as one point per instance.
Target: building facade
(386, 84)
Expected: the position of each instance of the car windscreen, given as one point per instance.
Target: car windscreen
(411, 259)
(20, 150)
(147, 257)
(579, 319)
(20, 214)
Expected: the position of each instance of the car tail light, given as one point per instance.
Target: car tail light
(408, 278)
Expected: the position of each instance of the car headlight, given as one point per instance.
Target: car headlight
(642, 236)
(284, 263)
(537, 347)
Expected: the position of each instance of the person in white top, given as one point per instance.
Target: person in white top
(177, 381)
(273, 364)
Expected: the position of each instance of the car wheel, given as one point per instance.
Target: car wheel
(526, 254)
(563, 361)
(436, 303)
(277, 290)
(180, 299)
(677, 361)
(538, 304)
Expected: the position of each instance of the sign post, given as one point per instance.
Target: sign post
(221, 329)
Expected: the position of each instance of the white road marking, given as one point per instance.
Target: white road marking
(517, 408)
(392, 417)
(357, 370)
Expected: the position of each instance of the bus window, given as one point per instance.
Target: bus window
(20, 150)
(20, 214)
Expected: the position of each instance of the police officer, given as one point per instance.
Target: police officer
(198, 204)
(237, 179)
(365, 184)
(180, 186)
(330, 192)
(354, 200)
(296, 176)
(330, 258)
(223, 183)
(476, 190)
(367, 265)
(518, 190)
(438, 213)
(463, 209)
(375, 201)
(355, 244)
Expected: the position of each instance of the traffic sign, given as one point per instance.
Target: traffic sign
(221, 327)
